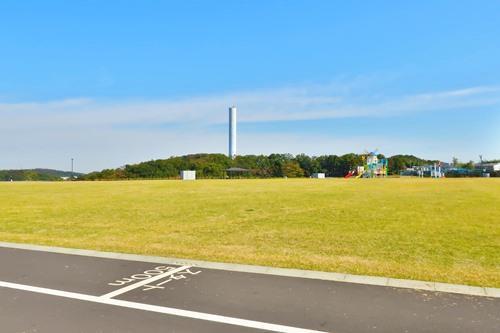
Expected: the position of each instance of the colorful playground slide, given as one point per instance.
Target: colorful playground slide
(349, 175)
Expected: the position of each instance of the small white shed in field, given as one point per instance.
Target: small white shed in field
(318, 175)
(188, 174)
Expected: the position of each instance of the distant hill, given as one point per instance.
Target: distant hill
(35, 174)
(401, 162)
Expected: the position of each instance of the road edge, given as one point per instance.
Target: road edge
(289, 272)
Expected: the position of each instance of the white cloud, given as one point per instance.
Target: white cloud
(104, 133)
(305, 103)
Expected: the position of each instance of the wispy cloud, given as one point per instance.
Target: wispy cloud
(299, 103)
(110, 132)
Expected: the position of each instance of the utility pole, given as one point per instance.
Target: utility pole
(72, 168)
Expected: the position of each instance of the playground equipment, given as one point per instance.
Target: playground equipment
(436, 171)
(350, 174)
(361, 172)
(373, 167)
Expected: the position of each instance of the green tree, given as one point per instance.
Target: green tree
(292, 169)
(277, 161)
(347, 163)
(329, 164)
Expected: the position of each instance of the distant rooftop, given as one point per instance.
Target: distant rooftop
(234, 169)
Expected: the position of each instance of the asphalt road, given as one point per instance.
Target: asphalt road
(53, 292)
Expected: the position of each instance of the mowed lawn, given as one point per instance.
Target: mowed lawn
(428, 229)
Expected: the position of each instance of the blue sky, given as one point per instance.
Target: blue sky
(115, 82)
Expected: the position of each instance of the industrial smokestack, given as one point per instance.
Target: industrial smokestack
(232, 132)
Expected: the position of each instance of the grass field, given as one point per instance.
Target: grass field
(428, 229)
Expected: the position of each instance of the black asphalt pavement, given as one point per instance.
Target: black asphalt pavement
(78, 294)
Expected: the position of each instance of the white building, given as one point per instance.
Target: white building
(188, 174)
(488, 167)
(318, 175)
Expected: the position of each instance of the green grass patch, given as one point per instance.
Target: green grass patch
(428, 229)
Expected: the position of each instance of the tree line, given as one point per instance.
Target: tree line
(258, 166)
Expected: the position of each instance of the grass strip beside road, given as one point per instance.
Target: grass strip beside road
(445, 230)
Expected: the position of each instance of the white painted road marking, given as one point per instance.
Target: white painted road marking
(144, 282)
(142, 276)
(160, 309)
(182, 275)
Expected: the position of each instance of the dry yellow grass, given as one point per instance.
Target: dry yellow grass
(429, 229)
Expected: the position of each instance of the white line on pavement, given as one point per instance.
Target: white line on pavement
(160, 309)
(144, 282)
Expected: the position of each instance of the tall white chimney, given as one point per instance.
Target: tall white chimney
(232, 131)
